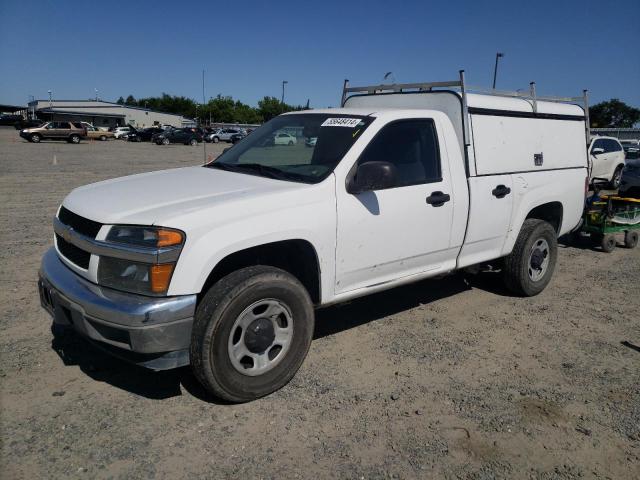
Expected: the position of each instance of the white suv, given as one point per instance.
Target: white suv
(606, 156)
(120, 132)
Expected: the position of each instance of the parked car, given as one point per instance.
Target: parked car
(283, 138)
(120, 132)
(225, 134)
(10, 119)
(29, 123)
(630, 180)
(178, 135)
(144, 135)
(72, 132)
(631, 148)
(607, 159)
(96, 133)
(310, 141)
(222, 265)
(236, 137)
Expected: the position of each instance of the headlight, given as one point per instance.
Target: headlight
(152, 237)
(147, 278)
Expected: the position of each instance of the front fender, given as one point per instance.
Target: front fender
(313, 221)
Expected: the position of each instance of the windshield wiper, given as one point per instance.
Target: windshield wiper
(257, 168)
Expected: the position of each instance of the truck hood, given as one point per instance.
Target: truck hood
(159, 197)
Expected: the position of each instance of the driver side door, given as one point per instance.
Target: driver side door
(384, 235)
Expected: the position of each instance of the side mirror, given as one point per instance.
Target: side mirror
(597, 151)
(373, 176)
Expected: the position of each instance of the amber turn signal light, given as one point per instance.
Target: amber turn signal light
(167, 238)
(160, 277)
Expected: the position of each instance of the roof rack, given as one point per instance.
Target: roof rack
(530, 96)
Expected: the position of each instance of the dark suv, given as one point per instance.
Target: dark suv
(178, 135)
(72, 132)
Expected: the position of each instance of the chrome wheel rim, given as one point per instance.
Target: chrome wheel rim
(538, 259)
(260, 337)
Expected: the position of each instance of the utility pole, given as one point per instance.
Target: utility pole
(495, 69)
(96, 94)
(284, 82)
(50, 106)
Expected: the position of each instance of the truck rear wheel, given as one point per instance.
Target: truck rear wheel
(529, 267)
(251, 333)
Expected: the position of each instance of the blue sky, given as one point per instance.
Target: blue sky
(247, 48)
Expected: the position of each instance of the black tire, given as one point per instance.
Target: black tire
(617, 176)
(290, 143)
(215, 139)
(608, 243)
(103, 138)
(74, 139)
(215, 317)
(517, 265)
(165, 141)
(35, 138)
(631, 239)
(193, 142)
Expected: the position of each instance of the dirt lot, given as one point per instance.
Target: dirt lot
(449, 378)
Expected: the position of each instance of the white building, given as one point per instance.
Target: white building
(104, 114)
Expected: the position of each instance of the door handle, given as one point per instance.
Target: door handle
(437, 199)
(501, 191)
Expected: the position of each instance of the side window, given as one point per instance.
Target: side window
(616, 147)
(64, 125)
(410, 145)
(598, 144)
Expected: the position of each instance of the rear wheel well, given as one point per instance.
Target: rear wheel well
(298, 257)
(549, 212)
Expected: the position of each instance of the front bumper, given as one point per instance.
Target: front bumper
(152, 332)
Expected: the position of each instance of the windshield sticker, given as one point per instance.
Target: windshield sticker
(341, 122)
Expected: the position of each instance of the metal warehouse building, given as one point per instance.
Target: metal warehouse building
(104, 114)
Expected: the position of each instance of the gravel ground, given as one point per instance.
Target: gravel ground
(448, 378)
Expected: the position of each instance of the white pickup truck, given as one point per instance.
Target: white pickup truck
(221, 266)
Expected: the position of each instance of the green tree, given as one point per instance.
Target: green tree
(270, 107)
(120, 101)
(130, 100)
(613, 114)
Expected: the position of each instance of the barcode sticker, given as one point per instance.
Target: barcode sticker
(341, 122)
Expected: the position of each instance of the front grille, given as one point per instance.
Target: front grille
(72, 253)
(80, 224)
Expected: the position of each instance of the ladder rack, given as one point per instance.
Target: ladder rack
(530, 96)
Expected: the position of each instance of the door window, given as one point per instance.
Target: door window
(412, 147)
(599, 144)
(613, 146)
(64, 125)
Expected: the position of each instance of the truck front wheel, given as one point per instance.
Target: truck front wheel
(529, 267)
(251, 333)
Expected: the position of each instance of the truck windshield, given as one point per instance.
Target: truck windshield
(303, 147)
